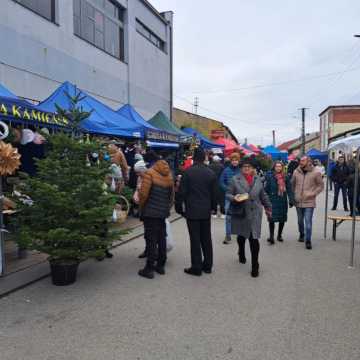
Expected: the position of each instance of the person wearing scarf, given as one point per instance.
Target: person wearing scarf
(278, 188)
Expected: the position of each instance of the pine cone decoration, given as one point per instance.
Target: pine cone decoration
(9, 159)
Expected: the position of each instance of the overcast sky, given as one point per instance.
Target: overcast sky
(303, 49)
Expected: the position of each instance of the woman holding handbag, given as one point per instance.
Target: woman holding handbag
(278, 188)
(247, 198)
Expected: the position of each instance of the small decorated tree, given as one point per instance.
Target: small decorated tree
(70, 206)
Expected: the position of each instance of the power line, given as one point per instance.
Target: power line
(279, 83)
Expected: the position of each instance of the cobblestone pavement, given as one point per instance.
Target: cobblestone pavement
(304, 306)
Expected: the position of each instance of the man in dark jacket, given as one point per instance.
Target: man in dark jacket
(155, 200)
(198, 193)
(339, 176)
(217, 167)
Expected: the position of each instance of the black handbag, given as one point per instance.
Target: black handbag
(237, 210)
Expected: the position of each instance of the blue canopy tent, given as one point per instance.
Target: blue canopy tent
(103, 120)
(205, 143)
(151, 132)
(317, 154)
(275, 153)
(18, 111)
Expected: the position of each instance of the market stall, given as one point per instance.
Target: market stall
(102, 120)
(230, 145)
(317, 154)
(350, 147)
(275, 153)
(151, 132)
(205, 143)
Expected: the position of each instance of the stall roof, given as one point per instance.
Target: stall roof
(205, 142)
(103, 119)
(161, 145)
(348, 144)
(317, 154)
(161, 121)
(152, 132)
(16, 110)
(275, 153)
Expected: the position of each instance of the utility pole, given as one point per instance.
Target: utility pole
(303, 113)
(196, 105)
(273, 136)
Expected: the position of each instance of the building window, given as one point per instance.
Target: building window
(146, 32)
(44, 8)
(101, 23)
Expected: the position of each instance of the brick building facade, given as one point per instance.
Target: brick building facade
(335, 120)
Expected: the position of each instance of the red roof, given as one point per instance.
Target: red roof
(285, 146)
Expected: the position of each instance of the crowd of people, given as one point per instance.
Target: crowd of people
(233, 189)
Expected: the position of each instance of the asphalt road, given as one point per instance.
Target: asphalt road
(304, 306)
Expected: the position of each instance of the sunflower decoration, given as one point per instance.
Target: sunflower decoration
(9, 159)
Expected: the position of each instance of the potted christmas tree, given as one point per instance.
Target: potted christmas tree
(70, 206)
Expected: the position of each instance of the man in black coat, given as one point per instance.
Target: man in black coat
(339, 176)
(198, 195)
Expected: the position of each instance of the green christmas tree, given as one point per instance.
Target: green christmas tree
(71, 206)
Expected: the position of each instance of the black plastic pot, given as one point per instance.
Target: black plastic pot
(63, 274)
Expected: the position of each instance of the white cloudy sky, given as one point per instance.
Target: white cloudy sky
(303, 49)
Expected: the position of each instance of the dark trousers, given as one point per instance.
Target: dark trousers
(272, 229)
(343, 189)
(254, 249)
(155, 238)
(200, 244)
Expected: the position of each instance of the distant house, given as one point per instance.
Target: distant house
(285, 146)
(335, 120)
(312, 141)
(211, 128)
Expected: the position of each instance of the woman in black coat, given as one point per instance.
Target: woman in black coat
(278, 188)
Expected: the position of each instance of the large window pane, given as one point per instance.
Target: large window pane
(45, 8)
(112, 38)
(100, 27)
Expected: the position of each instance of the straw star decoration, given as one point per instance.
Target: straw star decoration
(9, 159)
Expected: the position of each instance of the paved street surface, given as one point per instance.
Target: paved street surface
(305, 305)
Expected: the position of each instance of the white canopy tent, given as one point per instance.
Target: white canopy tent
(348, 147)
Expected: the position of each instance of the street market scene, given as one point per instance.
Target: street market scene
(160, 202)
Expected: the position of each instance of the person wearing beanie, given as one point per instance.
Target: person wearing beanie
(217, 167)
(197, 195)
(247, 198)
(228, 173)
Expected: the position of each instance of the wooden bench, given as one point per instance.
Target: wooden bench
(338, 220)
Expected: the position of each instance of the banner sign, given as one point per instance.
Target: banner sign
(159, 135)
(20, 112)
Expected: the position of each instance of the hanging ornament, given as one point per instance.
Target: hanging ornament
(9, 159)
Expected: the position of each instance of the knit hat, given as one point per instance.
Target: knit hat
(235, 156)
(216, 158)
(140, 166)
(138, 157)
(247, 161)
(27, 136)
(199, 155)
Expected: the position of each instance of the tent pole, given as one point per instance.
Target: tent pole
(355, 203)
(327, 196)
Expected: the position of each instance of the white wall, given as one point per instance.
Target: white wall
(36, 55)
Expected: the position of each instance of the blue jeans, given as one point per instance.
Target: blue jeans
(305, 215)
(228, 218)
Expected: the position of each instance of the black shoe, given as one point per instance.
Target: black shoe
(227, 240)
(160, 270)
(301, 239)
(146, 273)
(333, 208)
(207, 271)
(308, 245)
(280, 239)
(142, 255)
(346, 209)
(193, 272)
(242, 259)
(271, 241)
(108, 254)
(255, 271)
